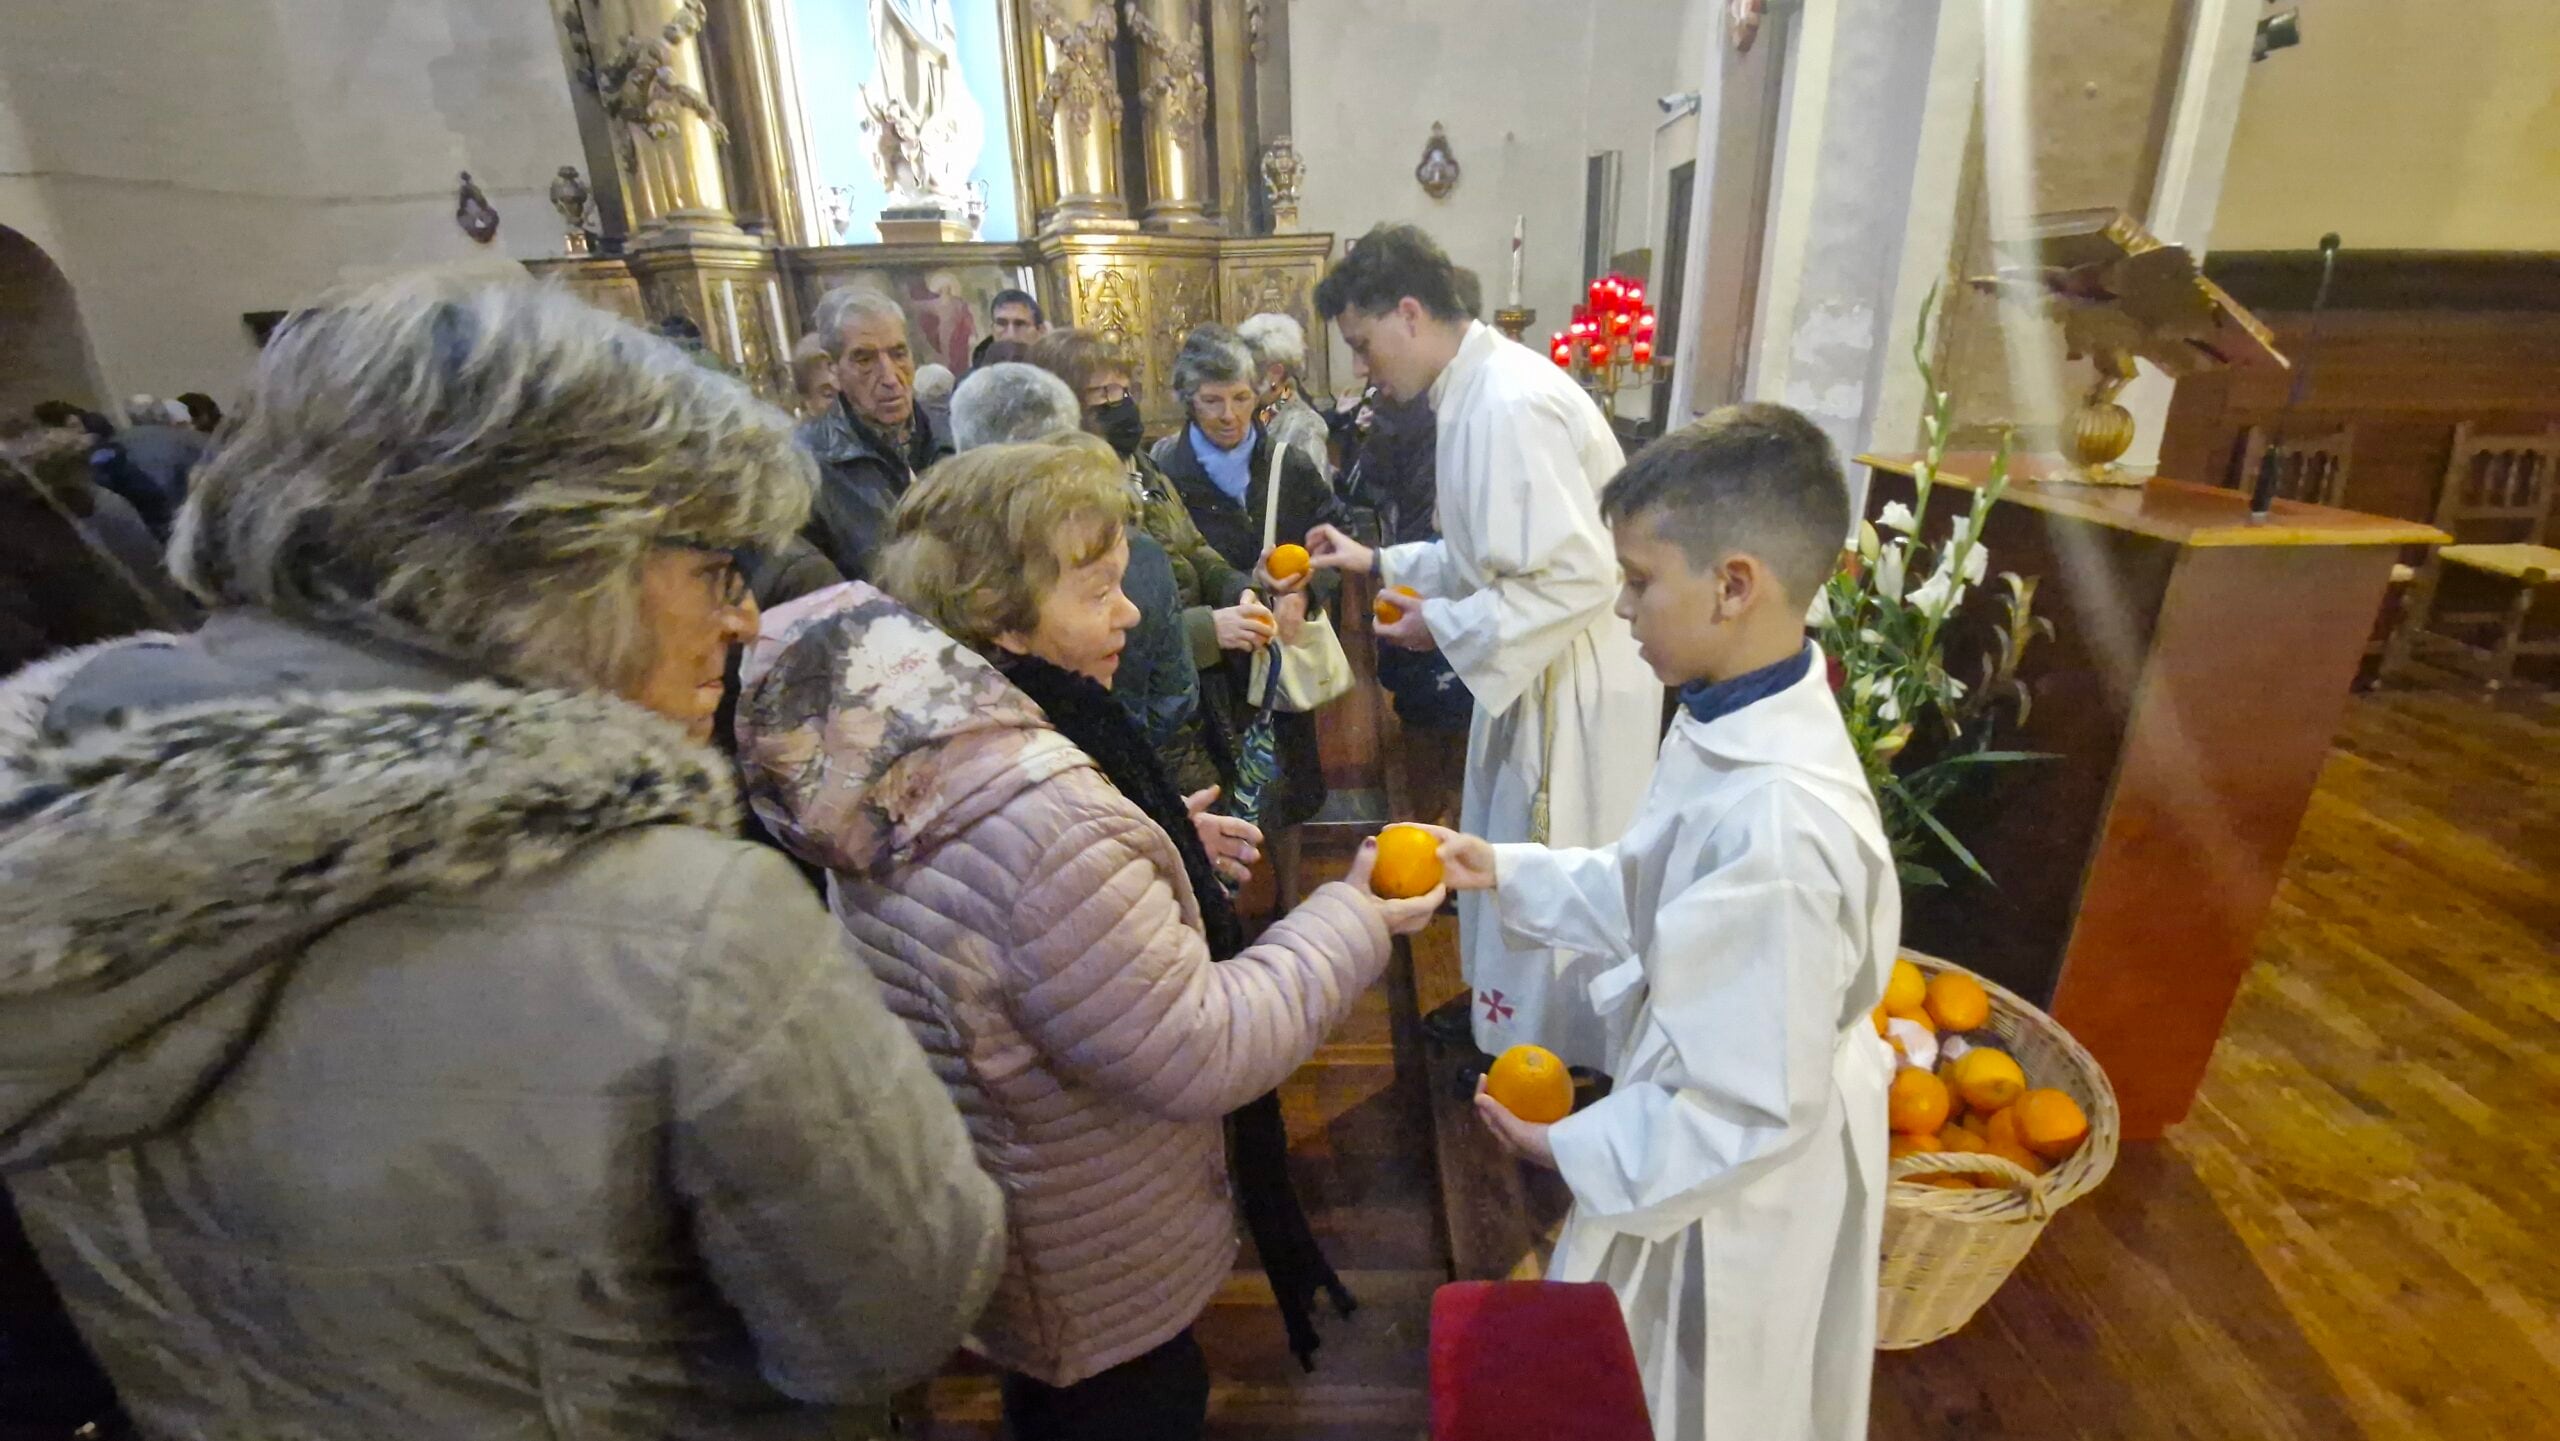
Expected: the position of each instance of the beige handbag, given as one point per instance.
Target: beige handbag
(1315, 671)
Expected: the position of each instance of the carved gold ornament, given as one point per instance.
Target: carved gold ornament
(1284, 173)
(1178, 95)
(638, 85)
(1081, 83)
(2120, 293)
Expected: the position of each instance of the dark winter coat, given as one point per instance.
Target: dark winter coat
(1235, 531)
(861, 477)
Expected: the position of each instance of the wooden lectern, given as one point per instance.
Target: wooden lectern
(2199, 670)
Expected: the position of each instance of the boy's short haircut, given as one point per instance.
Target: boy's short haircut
(1386, 265)
(1756, 479)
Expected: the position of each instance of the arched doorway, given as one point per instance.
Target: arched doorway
(44, 347)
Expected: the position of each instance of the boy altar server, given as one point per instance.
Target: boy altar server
(1731, 1188)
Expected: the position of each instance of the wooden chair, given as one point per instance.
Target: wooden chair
(2313, 469)
(2497, 504)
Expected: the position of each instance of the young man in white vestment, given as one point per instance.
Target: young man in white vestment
(1730, 1189)
(1516, 596)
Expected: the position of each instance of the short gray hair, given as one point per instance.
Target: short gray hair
(481, 468)
(1010, 403)
(846, 304)
(1275, 339)
(933, 381)
(1211, 355)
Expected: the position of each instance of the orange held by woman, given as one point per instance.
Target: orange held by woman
(1390, 605)
(1288, 562)
(1531, 1083)
(1408, 863)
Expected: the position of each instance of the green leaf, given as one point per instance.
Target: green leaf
(1915, 876)
(1948, 838)
(1976, 758)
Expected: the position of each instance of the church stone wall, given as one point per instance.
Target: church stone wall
(186, 162)
(1526, 89)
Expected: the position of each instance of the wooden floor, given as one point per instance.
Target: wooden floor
(2353, 1236)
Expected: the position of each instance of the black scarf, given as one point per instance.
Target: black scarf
(1258, 1142)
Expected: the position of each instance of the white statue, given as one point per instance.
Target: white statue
(927, 127)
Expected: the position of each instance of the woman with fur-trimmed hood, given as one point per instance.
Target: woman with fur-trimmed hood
(398, 1042)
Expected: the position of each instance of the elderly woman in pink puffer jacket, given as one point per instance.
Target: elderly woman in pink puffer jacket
(1041, 906)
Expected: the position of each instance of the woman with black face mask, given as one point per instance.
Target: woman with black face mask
(1221, 613)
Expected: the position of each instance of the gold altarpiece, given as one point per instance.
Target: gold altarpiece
(696, 99)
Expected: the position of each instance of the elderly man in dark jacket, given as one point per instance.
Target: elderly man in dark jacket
(875, 440)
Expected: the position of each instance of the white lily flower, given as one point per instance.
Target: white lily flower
(1936, 595)
(1923, 473)
(1977, 563)
(1819, 613)
(1889, 572)
(1870, 636)
(1897, 516)
(1890, 710)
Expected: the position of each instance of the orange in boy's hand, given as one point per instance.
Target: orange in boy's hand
(1287, 561)
(1390, 605)
(1408, 863)
(1531, 1083)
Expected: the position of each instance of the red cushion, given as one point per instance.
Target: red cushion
(1529, 1360)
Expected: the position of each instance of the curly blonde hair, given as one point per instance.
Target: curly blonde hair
(983, 537)
(480, 468)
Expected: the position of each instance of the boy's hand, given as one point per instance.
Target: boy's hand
(1466, 862)
(1330, 549)
(1408, 630)
(1521, 1138)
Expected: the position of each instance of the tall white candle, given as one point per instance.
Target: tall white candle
(781, 328)
(1519, 232)
(729, 306)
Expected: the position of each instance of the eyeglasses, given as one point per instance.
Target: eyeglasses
(724, 571)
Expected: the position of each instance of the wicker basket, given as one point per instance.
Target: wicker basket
(1946, 1251)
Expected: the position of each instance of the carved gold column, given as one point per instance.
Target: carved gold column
(1068, 46)
(758, 95)
(651, 75)
(1173, 84)
(1232, 36)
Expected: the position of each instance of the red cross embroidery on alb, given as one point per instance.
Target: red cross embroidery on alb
(1496, 1010)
